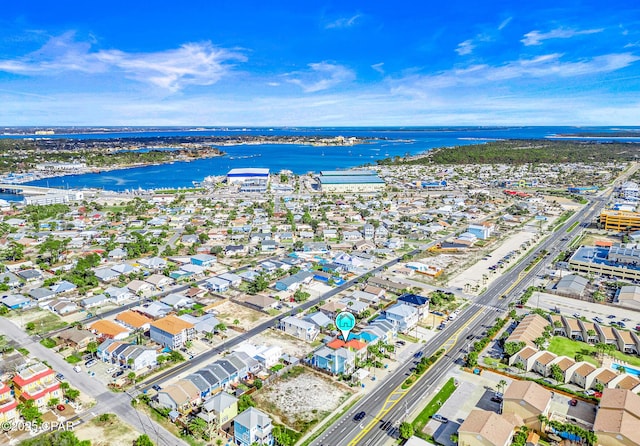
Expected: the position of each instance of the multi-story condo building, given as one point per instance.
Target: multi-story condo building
(36, 382)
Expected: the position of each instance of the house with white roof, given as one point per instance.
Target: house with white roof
(402, 316)
(299, 328)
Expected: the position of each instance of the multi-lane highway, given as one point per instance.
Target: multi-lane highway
(387, 404)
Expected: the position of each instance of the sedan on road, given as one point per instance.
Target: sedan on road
(359, 416)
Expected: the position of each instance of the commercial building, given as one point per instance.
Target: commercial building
(614, 220)
(247, 174)
(614, 261)
(339, 181)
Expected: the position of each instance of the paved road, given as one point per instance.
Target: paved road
(388, 403)
(106, 401)
(208, 355)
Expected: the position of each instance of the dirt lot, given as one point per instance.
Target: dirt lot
(113, 432)
(288, 398)
(227, 312)
(289, 345)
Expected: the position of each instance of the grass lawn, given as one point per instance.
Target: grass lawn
(407, 338)
(73, 359)
(567, 347)
(48, 323)
(48, 342)
(432, 407)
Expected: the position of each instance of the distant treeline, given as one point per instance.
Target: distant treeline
(521, 151)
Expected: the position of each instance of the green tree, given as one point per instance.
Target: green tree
(244, 402)
(92, 347)
(72, 394)
(143, 440)
(300, 296)
(259, 284)
(198, 426)
(511, 348)
(30, 412)
(406, 430)
(556, 373)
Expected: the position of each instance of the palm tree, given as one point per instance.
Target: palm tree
(501, 385)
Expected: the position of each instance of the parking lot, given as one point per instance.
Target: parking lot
(479, 392)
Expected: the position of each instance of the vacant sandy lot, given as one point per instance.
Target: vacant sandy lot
(114, 432)
(289, 345)
(229, 311)
(288, 398)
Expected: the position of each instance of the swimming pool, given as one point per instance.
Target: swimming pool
(629, 370)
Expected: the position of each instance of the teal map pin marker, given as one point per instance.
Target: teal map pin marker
(345, 322)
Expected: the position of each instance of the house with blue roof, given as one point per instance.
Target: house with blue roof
(249, 276)
(203, 260)
(420, 303)
(62, 287)
(294, 281)
(15, 301)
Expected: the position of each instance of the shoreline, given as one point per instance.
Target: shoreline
(38, 175)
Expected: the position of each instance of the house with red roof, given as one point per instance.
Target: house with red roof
(36, 382)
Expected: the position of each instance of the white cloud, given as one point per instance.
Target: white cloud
(465, 47)
(343, 22)
(190, 64)
(321, 76)
(545, 66)
(379, 67)
(536, 37)
(504, 23)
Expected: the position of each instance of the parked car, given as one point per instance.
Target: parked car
(156, 387)
(598, 320)
(573, 402)
(611, 316)
(588, 392)
(60, 407)
(60, 377)
(90, 363)
(112, 369)
(418, 355)
(496, 399)
(440, 418)
(576, 315)
(622, 324)
(359, 416)
(117, 374)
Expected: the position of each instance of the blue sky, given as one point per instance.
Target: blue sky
(260, 63)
